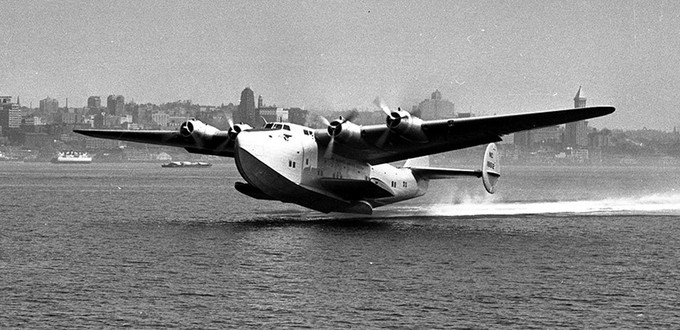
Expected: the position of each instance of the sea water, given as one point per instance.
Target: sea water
(137, 245)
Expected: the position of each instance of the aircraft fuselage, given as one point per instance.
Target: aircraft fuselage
(298, 170)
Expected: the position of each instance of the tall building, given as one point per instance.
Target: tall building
(49, 105)
(298, 116)
(246, 112)
(10, 115)
(94, 102)
(576, 133)
(436, 108)
(161, 118)
(115, 105)
(273, 114)
(522, 138)
(551, 135)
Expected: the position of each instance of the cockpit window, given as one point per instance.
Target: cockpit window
(268, 125)
(286, 127)
(278, 126)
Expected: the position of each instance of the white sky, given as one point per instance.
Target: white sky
(485, 56)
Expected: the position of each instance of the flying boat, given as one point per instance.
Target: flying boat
(346, 167)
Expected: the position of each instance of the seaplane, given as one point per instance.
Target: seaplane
(346, 167)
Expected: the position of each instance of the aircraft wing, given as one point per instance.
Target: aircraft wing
(379, 146)
(215, 144)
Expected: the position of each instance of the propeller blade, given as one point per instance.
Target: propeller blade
(381, 104)
(351, 116)
(231, 123)
(223, 145)
(325, 121)
(329, 149)
(383, 139)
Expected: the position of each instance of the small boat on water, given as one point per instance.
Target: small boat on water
(187, 164)
(3, 157)
(72, 157)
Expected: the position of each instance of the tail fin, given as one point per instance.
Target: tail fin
(489, 173)
(490, 168)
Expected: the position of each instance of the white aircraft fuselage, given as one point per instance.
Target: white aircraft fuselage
(298, 171)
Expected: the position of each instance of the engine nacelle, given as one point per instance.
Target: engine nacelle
(193, 127)
(407, 126)
(345, 132)
(238, 128)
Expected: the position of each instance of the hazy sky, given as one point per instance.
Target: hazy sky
(486, 57)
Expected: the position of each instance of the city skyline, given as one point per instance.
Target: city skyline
(487, 58)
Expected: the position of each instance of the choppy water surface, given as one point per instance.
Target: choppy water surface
(115, 245)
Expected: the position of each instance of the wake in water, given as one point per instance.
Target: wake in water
(658, 204)
(485, 205)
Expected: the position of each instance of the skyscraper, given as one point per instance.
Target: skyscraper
(10, 115)
(49, 105)
(435, 107)
(246, 112)
(115, 105)
(94, 102)
(576, 133)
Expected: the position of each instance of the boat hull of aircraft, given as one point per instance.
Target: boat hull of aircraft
(333, 185)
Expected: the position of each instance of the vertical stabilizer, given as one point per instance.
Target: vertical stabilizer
(490, 168)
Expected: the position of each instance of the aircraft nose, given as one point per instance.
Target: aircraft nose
(248, 142)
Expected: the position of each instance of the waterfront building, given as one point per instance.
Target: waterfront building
(70, 118)
(298, 116)
(246, 112)
(576, 133)
(49, 105)
(115, 105)
(522, 138)
(273, 114)
(94, 102)
(435, 107)
(161, 118)
(10, 114)
(551, 135)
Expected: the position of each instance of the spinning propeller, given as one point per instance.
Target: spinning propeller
(393, 119)
(335, 128)
(400, 122)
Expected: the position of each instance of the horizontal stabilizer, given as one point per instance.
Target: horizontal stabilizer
(418, 162)
(432, 173)
(490, 172)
